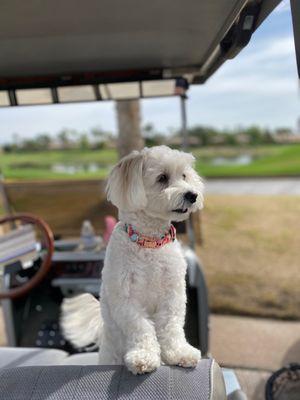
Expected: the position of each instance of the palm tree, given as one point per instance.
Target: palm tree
(129, 127)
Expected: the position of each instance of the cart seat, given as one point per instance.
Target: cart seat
(112, 382)
(19, 357)
(27, 372)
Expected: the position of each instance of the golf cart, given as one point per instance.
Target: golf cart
(97, 51)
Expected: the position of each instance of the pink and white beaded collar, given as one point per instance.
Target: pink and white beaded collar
(150, 242)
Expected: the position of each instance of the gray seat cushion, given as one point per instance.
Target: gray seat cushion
(67, 382)
(19, 357)
(81, 359)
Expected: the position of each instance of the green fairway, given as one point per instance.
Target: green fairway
(71, 164)
(271, 160)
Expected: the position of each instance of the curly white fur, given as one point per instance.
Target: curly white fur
(143, 295)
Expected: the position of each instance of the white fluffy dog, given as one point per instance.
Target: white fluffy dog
(143, 294)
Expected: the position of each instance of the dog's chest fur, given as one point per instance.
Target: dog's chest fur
(145, 276)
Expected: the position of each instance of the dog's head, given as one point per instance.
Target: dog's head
(157, 180)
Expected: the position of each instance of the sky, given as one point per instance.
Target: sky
(259, 87)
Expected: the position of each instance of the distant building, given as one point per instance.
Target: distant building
(242, 138)
(286, 136)
(111, 143)
(177, 141)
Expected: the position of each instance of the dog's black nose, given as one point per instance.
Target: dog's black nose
(191, 197)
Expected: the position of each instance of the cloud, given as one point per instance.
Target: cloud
(28, 121)
(282, 7)
(259, 86)
(267, 69)
(276, 48)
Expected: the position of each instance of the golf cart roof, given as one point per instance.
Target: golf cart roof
(94, 43)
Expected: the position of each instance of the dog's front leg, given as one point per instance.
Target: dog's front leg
(142, 350)
(169, 323)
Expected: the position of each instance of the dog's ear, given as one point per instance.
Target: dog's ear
(125, 187)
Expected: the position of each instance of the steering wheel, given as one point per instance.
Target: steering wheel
(47, 238)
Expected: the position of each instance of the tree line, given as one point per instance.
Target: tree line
(97, 138)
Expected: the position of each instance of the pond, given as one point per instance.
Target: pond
(62, 168)
(72, 169)
(243, 159)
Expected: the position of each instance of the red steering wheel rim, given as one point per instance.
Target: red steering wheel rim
(46, 263)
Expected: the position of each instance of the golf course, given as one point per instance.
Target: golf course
(246, 238)
(211, 161)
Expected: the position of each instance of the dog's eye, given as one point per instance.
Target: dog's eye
(184, 176)
(163, 178)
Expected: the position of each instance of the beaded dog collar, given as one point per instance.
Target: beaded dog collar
(150, 242)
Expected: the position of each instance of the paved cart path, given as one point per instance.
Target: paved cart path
(260, 186)
(254, 346)
(254, 342)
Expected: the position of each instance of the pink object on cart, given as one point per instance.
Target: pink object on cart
(110, 223)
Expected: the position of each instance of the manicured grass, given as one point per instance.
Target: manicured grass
(267, 161)
(106, 156)
(272, 160)
(251, 254)
(251, 247)
(43, 173)
(37, 165)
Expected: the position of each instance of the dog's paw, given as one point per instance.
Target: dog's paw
(140, 361)
(186, 356)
